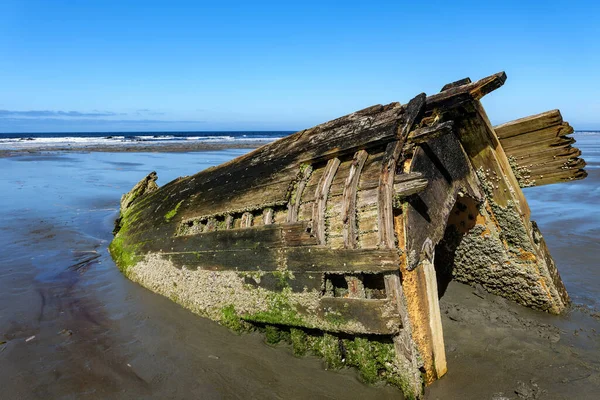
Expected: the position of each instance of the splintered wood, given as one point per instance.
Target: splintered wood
(540, 149)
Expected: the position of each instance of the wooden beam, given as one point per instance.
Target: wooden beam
(319, 259)
(475, 90)
(409, 188)
(321, 194)
(349, 199)
(455, 84)
(435, 319)
(264, 236)
(365, 312)
(422, 135)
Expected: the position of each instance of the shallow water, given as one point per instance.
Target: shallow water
(568, 217)
(76, 328)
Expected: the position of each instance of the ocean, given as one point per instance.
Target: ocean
(72, 326)
(55, 141)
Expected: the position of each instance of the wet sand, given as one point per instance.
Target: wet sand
(74, 327)
(136, 147)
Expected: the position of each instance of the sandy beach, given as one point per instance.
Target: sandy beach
(71, 326)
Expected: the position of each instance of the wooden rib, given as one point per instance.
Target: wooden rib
(349, 199)
(229, 221)
(267, 216)
(211, 225)
(294, 203)
(393, 151)
(246, 220)
(321, 194)
(422, 135)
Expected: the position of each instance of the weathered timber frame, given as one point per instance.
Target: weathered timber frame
(354, 227)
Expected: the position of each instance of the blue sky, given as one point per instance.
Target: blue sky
(193, 65)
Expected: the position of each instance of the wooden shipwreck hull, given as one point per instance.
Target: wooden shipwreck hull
(341, 238)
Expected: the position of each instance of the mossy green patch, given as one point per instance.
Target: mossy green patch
(274, 335)
(298, 340)
(335, 318)
(280, 311)
(169, 216)
(123, 254)
(231, 319)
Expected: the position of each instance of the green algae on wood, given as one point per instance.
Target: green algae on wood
(173, 212)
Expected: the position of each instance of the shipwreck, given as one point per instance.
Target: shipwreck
(341, 238)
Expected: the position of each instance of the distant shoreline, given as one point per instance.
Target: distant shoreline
(137, 148)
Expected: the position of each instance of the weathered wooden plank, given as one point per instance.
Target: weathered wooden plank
(557, 165)
(322, 259)
(349, 199)
(565, 176)
(277, 281)
(485, 153)
(237, 190)
(546, 149)
(368, 219)
(455, 84)
(543, 146)
(531, 138)
(386, 181)
(422, 135)
(297, 259)
(227, 260)
(310, 188)
(528, 124)
(266, 236)
(409, 188)
(297, 234)
(368, 240)
(361, 133)
(294, 203)
(365, 312)
(321, 194)
(435, 318)
(475, 90)
(547, 155)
